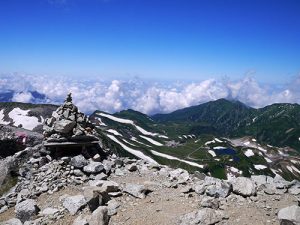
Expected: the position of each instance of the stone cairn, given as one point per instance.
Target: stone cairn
(68, 124)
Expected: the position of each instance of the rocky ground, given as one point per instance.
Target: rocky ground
(122, 191)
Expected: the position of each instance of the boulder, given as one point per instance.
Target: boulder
(216, 187)
(13, 221)
(290, 215)
(99, 216)
(204, 216)
(26, 210)
(74, 203)
(93, 167)
(243, 186)
(136, 190)
(63, 126)
(78, 161)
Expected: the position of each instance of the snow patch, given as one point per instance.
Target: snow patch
(260, 167)
(101, 123)
(268, 160)
(128, 142)
(218, 140)
(137, 153)
(249, 153)
(134, 139)
(212, 153)
(219, 147)
(210, 142)
(174, 158)
(262, 149)
(151, 141)
(114, 132)
(126, 121)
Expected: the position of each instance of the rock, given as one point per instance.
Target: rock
(209, 202)
(93, 167)
(112, 207)
(186, 189)
(290, 214)
(23, 195)
(136, 190)
(204, 216)
(180, 175)
(13, 221)
(78, 161)
(216, 187)
(26, 210)
(132, 167)
(119, 172)
(99, 216)
(101, 176)
(97, 158)
(93, 197)
(74, 203)
(63, 126)
(243, 186)
(80, 221)
(295, 189)
(49, 211)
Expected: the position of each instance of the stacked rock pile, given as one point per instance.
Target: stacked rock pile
(68, 124)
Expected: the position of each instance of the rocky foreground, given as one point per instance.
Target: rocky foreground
(99, 191)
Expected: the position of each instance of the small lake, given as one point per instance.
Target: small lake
(227, 151)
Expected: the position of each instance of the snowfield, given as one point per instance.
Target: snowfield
(19, 117)
(137, 153)
(174, 158)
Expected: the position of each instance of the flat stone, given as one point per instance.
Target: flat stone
(136, 190)
(74, 203)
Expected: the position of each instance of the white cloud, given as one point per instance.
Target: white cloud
(25, 97)
(147, 97)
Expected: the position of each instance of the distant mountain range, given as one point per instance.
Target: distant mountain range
(222, 138)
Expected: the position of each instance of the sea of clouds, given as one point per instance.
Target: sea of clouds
(146, 96)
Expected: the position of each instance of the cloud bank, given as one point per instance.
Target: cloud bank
(144, 96)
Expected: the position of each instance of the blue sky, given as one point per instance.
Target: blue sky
(189, 40)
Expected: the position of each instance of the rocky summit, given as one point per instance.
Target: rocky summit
(98, 187)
